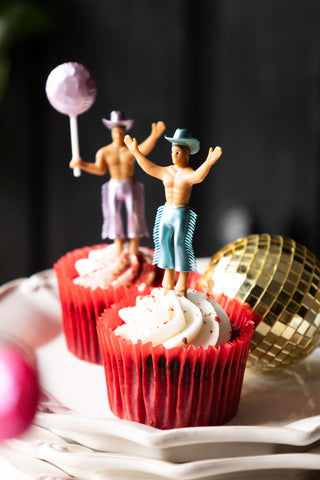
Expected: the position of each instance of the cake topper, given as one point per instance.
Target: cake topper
(71, 89)
(122, 188)
(175, 221)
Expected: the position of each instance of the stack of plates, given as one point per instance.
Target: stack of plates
(275, 434)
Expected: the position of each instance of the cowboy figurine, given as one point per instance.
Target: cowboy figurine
(122, 187)
(175, 222)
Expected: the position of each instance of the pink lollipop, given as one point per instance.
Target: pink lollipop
(19, 392)
(71, 89)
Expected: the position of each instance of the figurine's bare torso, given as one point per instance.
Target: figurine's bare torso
(177, 190)
(118, 160)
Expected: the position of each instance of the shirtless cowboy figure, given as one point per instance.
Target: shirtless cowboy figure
(121, 187)
(175, 222)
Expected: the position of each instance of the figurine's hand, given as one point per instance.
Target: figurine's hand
(131, 143)
(76, 162)
(157, 129)
(214, 155)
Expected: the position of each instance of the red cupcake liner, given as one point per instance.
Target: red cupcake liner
(176, 387)
(81, 306)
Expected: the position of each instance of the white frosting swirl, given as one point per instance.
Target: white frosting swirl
(104, 267)
(175, 321)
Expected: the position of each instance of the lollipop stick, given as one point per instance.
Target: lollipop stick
(75, 144)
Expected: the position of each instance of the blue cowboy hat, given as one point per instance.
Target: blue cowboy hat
(183, 137)
(118, 119)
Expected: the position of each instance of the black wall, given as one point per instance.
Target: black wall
(240, 74)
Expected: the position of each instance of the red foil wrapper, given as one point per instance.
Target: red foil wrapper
(176, 387)
(81, 306)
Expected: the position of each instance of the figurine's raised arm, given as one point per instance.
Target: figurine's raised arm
(149, 167)
(148, 144)
(200, 174)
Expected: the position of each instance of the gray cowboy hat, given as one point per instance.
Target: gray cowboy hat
(183, 137)
(118, 119)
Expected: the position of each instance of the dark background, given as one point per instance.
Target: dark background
(243, 74)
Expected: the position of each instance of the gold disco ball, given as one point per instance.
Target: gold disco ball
(280, 280)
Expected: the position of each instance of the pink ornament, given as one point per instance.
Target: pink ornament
(71, 89)
(19, 393)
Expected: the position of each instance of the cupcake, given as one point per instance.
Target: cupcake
(93, 278)
(173, 362)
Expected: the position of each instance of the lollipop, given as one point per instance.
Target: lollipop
(71, 89)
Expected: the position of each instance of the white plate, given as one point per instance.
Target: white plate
(278, 414)
(43, 455)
